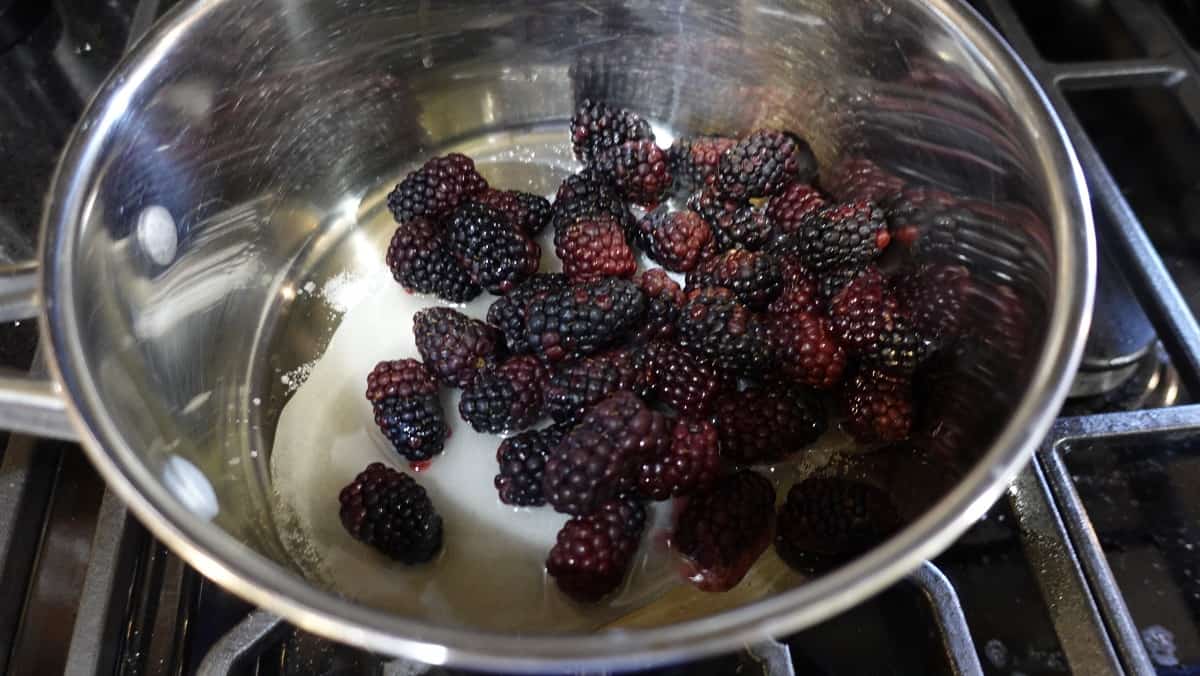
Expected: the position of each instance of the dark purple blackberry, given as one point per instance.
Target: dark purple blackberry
(638, 170)
(762, 163)
(603, 453)
(593, 248)
(753, 277)
(693, 463)
(694, 161)
(583, 319)
(421, 263)
(869, 322)
(677, 240)
(593, 553)
(827, 521)
(735, 224)
(723, 530)
(799, 292)
(506, 398)
(528, 212)
(878, 405)
(598, 127)
(574, 386)
(713, 325)
(806, 350)
(849, 234)
(498, 256)
(766, 425)
(664, 299)
(390, 511)
(404, 399)
(587, 195)
(680, 380)
(435, 189)
(935, 294)
(522, 461)
(453, 345)
(507, 313)
(789, 209)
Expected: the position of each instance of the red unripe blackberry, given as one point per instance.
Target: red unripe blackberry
(593, 248)
(789, 209)
(800, 291)
(692, 464)
(677, 240)
(761, 426)
(878, 405)
(593, 552)
(680, 380)
(806, 350)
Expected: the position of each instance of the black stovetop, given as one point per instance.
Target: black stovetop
(84, 589)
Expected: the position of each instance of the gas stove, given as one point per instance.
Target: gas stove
(1089, 565)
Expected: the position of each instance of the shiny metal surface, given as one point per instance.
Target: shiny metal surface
(268, 131)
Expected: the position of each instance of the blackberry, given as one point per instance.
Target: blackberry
(735, 224)
(390, 511)
(762, 163)
(592, 553)
(827, 521)
(766, 425)
(806, 351)
(753, 277)
(713, 325)
(404, 399)
(603, 453)
(680, 380)
(435, 189)
(593, 248)
(799, 292)
(869, 322)
(583, 319)
(676, 240)
(574, 386)
(935, 294)
(498, 256)
(522, 461)
(722, 531)
(664, 299)
(878, 405)
(832, 282)
(421, 263)
(694, 160)
(693, 463)
(506, 398)
(507, 313)
(597, 127)
(789, 209)
(528, 212)
(453, 345)
(853, 233)
(638, 170)
(587, 195)
(925, 218)
(861, 179)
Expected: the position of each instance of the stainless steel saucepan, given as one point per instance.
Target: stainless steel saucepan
(243, 150)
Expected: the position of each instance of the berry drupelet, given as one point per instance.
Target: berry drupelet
(694, 161)
(435, 189)
(638, 170)
(453, 345)
(676, 240)
(390, 511)
(766, 425)
(583, 318)
(789, 209)
(592, 553)
(805, 349)
(507, 313)
(598, 127)
(522, 461)
(593, 248)
(722, 531)
(693, 463)
(498, 255)
(713, 325)
(574, 386)
(603, 453)
(506, 398)
(421, 263)
(404, 398)
(826, 521)
(754, 277)
(878, 405)
(664, 299)
(762, 163)
(528, 212)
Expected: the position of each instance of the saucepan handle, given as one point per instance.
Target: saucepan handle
(29, 403)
